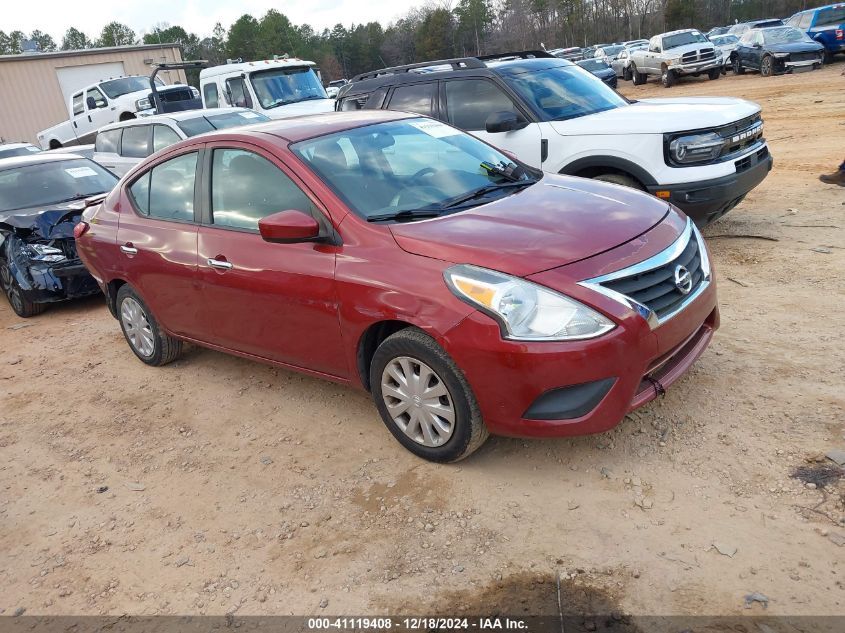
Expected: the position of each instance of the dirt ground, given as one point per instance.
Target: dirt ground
(238, 488)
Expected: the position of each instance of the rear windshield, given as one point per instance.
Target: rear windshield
(682, 39)
(724, 40)
(593, 64)
(52, 182)
(564, 92)
(831, 16)
(211, 122)
(610, 51)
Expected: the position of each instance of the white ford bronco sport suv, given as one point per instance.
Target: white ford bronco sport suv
(703, 154)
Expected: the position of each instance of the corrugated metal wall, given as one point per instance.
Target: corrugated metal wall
(31, 98)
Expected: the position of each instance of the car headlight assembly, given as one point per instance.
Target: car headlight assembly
(143, 104)
(44, 253)
(696, 148)
(525, 311)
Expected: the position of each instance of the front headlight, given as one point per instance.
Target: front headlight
(673, 62)
(44, 253)
(143, 104)
(781, 55)
(696, 148)
(525, 311)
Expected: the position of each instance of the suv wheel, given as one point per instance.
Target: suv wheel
(424, 398)
(668, 77)
(146, 339)
(767, 66)
(22, 306)
(737, 66)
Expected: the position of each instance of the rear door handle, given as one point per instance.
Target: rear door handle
(128, 249)
(216, 263)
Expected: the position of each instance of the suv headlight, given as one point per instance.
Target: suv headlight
(44, 253)
(696, 148)
(143, 104)
(673, 62)
(525, 311)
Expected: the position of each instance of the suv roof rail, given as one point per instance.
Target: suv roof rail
(457, 62)
(517, 55)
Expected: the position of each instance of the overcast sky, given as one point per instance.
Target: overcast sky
(197, 16)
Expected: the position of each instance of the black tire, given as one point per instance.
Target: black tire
(637, 77)
(165, 348)
(626, 74)
(714, 73)
(468, 432)
(21, 306)
(620, 179)
(827, 57)
(668, 77)
(737, 66)
(767, 66)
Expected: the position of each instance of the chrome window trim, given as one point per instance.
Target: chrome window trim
(656, 261)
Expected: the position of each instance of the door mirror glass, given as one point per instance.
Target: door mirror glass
(288, 227)
(504, 121)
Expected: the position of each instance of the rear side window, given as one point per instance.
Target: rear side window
(246, 187)
(469, 102)
(418, 98)
(163, 137)
(209, 93)
(108, 141)
(167, 190)
(237, 90)
(136, 142)
(369, 101)
(78, 104)
(831, 16)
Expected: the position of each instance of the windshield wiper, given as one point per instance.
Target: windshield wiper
(483, 191)
(407, 214)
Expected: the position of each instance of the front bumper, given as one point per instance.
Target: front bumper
(708, 200)
(580, 387)
(697, 68)
(45, 283)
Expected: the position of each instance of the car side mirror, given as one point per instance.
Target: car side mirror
(289, 227)
(92, 105)
(504, 121)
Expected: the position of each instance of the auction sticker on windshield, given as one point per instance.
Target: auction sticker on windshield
(80, 172)
(435, 128)
(249, 115)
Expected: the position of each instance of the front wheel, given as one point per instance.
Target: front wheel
(638, 77)
(714, 73)
(626, 74)
(424, 399)
(737, 66)
(668, 78)
(22, 306)
(767, 66)
(145, 337)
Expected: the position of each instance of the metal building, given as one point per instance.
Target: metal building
(35, 88)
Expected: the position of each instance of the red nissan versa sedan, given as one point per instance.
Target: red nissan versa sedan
(468, 293)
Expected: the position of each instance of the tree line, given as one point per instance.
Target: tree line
(437, 30)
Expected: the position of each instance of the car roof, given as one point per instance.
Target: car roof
(679, 31)
(171, 116)
(262, 64)
(35, 159)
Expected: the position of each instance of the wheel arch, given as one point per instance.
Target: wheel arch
(369, 341)
(591, 166)
(111, 294)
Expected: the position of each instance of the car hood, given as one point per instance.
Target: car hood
(312, 106)
(795, 47)
(658, 116)
(49, 222)
(558, 221)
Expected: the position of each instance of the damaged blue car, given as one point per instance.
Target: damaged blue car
(42, 197)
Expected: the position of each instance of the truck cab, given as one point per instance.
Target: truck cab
(279, 88)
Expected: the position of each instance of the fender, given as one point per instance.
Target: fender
(613, 162)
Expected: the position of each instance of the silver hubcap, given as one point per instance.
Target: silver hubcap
(418, 401)
(136, 326)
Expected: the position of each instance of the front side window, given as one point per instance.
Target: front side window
(564, 92)
(163, 137)
(136, 142)
(209, 93)
(167, 190)
(239, 97)
(78, 104)
(97, 96)
(280, 86)
(417, 98)
(409, 165)
(108, 141)
(471, 101)
(52, 182)
(246, 187)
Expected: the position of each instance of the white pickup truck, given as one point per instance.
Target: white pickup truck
(676, 54)
(102, 103)
(279, 88)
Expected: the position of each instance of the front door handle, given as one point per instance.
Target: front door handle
(128, 249)
(222, 265)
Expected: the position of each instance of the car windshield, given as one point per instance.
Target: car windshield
(123, 86)
(210, 122)
(831, 16)
(787, 35)
(411, 168)
(724, 40)
(564, 92)
(280, 86)
(682, 39)
(593, 64)
(612, 51)
(52, 182)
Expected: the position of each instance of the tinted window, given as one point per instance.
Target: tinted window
(136, 142)
(209, 93)
(108, 141)
(52, 182)
(831, 16)
(78, 105)
(237, 91)
(470, 102)
(167, 190)
(163, 136)
(99, 99)
(417, 98)
(246, 187)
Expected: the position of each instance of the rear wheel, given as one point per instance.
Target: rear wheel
(668, 77)
(424, 399)
(714, 73)
(767, 66)
(22, 306)
(620, 179)
(146, 339)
